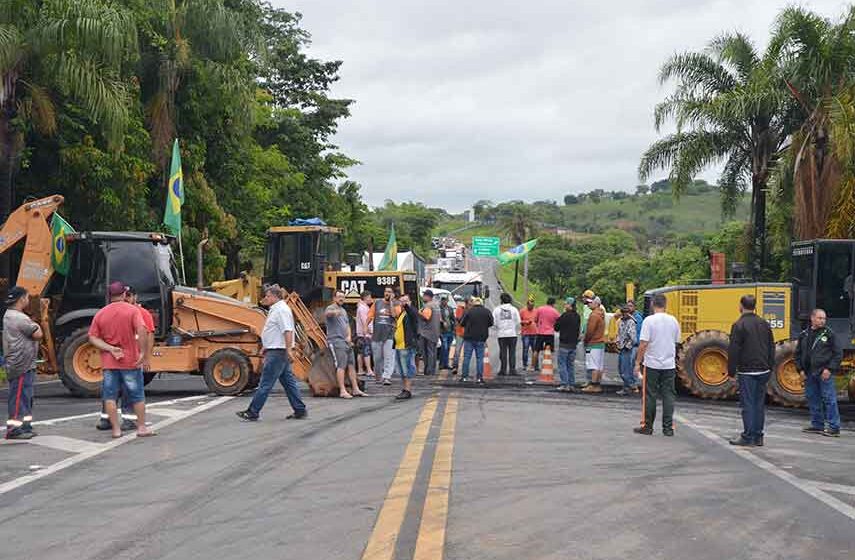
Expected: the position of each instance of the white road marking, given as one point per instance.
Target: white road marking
(79, 458)
(62, 443)
(805, 486)
(831, 487)
(53, 421)
(163, 411)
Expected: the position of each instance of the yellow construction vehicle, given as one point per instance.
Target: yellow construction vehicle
(195, 331)
(822, 277)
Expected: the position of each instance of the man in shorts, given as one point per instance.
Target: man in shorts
(118, 330)
(406, 343)
(595, 345)
(364, 329)
(341, 346)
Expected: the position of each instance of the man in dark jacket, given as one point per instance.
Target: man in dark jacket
(751, 358)
(818, 358)
(567, 326)
(476, 324)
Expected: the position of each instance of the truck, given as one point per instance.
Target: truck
(822, 273)
(461, 284)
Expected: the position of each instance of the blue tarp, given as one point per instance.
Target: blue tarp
(307, 222)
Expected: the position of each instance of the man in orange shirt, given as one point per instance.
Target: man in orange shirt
(528, 315)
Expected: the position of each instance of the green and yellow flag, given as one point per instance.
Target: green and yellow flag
(390, 256)
(59, 258)
(175, 193)
(518, 252)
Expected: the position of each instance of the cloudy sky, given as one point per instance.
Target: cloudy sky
(461, 100)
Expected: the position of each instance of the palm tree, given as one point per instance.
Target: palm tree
(728, 107)
(517, 223)
(51, 50)
(816, 63)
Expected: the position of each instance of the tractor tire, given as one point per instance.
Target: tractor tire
(80, 364)
(148, 377)
(785, 384)
(702, 366)
(227, 372)
(851, 388)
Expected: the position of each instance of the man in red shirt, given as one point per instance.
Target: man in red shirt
(528, 314)
(119, 331)
(545, 317)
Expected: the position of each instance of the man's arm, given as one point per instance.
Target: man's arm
(37, 333)
(836, 355)
(639, 358)
(771, 336)
(734, 350)
(145, 346)
(100, 344)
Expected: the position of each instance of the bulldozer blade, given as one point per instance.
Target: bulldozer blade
(322, 381)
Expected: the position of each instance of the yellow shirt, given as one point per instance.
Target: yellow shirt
(400, 339)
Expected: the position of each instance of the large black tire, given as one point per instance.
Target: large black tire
(785, 384)
(148, 376)
(702, 366)
(227, 372)
(77, 364)
(851, 389)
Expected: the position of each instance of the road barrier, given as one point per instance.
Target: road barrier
(546, 371)
(488, 369)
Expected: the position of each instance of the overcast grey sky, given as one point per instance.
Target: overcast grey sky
(468, 99)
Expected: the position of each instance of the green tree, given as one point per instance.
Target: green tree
(517, 223)
(729, 107)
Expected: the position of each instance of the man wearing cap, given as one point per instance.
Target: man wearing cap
(528, 314)
(429, 327)
(476, 323)
(567, 327)
(595, 345)
(446, 331)
(21, 337)
(118, 330)
(587, 296)
(626, 342)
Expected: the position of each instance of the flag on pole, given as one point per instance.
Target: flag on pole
(175, 193)
(390, 256)
(59, 259)
(517, 253)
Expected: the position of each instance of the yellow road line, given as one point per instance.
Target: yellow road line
(381, 544)
(431, 540)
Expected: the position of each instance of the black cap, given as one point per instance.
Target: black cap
(428, 293)
(13, 295)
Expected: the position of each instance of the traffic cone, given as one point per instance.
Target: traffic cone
(488, 369)
(546, 372)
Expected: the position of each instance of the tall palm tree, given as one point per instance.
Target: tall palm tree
(816, 57)
(728, 108)
(518, 223)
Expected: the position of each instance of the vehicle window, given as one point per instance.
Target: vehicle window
(834, 279)
(333, 248)
(286, 253)
(803, 280)
(131, 263)
(88, 269)
(307, 251)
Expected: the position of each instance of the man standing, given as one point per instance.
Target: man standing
(545, 317)
(528, 314)
(126, 411)
(639, 318)
(657, 350)
(595, 345)
(458, 333)
(429, 327)
(118, 330)
(341, 346)
(626, 343)
(382, 315)
(476, 324)
(21, 336)
(818, 357)
(277, 339)
(506, 318)
(750, 358)
(446, 331)
(568, 338)
(363, 334)
(406, 343)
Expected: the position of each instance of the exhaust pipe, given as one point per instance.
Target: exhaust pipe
(200, 277)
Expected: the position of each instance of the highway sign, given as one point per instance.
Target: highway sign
(485, 246)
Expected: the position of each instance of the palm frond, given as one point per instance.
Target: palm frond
(734, 180)
(738, 51)
(697, 72)
(684, 154)
(37, 107)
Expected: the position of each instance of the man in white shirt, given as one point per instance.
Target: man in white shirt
(657, 350)
(277, 338)
(506, 320)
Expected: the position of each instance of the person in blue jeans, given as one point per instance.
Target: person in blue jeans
(627, 341)
(446, 332)
(818, 356)
(567, 326)
(476, 328)
(277, 337)
(406, 342)
(639, 318)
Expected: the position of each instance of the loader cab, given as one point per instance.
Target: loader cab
(823, 277)
(298, 256)
(141, 260)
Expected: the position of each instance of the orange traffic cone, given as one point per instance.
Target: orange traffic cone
(488, 369)
(546, 371)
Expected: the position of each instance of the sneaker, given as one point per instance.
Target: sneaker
(828, 432)
(18, 433)
(593, 388)
(479, 381)
(741, 441)
(247, 416)
(813, 430)
(387, 382)
(103, 424)
(573, 389)
(464, 379)
(403, 395)
(667, 432)
(563, 388)
(296, 416)
(623, 393)
(644, 430)
(128, 425)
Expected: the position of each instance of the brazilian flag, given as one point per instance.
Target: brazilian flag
(390, 256)
(59, 258)
(175, 193)
(518, 252)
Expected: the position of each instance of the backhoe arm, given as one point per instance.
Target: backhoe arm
(30, 221)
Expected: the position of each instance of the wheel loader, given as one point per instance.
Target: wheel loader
(196, 332)
(822, 273)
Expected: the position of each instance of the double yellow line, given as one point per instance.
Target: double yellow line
(431, 539)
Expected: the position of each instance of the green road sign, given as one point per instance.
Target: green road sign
(485, 246)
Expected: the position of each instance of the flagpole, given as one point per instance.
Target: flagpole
(525, 276)
(181, 256)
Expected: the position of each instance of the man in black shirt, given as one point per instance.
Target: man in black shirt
(567, 326)
(818, 357)
(476, 324)
(751, 358)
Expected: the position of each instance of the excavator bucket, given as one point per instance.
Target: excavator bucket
(311, 359)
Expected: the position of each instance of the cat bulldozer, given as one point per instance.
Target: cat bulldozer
(822, 273)
(196, 332)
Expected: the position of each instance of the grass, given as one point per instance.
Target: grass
(506, 276)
